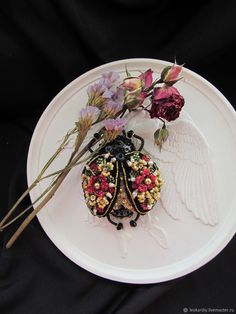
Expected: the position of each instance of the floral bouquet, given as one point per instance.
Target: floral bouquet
(110, 102)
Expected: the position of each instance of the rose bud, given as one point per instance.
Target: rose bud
(170, 74)
(160, 136)
(166, 103)
(135, 89)
(132, 83)
(146, 78)
(135, 100)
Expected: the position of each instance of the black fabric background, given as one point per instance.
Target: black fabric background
(43, 46)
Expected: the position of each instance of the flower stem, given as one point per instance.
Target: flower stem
(37, 180)
(157, 81)
(27, 208)
(76, 164)
(57, 182)
(163, 121)
(123, 111)
(73, 161)
(49, 188)
(29, 218)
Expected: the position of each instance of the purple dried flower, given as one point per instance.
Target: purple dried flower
(88, 113)
(108, 94)
(97, 94)
(114, 124)
(96, 88)
(87, 116)
(110, 109)
(109, 79)
(113, 128)
(119, 95)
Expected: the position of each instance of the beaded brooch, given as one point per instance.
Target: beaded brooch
(121, 181)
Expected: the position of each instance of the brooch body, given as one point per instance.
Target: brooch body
(121, 181)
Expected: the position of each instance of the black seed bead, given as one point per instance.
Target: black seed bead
(133, 223)
(119, 226)
(130, 133)
(120, 156)
(108, 149)
(97, 136)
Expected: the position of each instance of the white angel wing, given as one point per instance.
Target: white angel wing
(186, 166)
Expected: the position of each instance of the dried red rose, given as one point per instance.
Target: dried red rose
(166, 103)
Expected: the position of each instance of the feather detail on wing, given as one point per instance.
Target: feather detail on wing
(186, 166)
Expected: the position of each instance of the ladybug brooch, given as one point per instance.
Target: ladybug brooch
(121, 181)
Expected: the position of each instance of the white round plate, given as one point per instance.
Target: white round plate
(65, 218)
